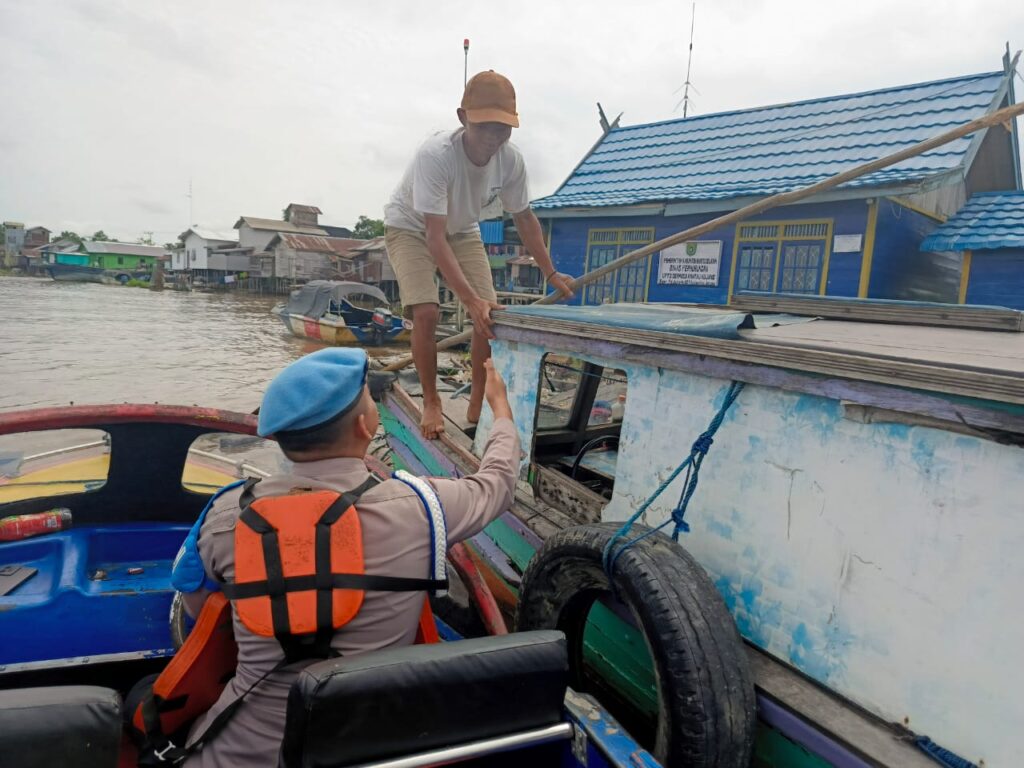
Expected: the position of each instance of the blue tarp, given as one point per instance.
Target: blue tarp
(690, 321)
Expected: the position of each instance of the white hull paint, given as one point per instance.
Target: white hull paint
(880, 559)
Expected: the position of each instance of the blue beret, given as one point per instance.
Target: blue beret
(313, 390)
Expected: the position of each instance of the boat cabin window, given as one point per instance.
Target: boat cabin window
(580, 407)
(52, 462)
(219, 458)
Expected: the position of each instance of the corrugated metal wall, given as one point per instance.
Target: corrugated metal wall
(899, 270)
(997, 278)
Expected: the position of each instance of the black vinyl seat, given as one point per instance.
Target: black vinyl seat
(77, 725)
(403, 701)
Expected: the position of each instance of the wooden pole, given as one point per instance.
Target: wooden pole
(783, 198)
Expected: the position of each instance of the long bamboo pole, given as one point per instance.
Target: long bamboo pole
(782, 198)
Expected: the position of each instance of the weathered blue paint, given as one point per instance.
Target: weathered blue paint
(997, 278)
(608, 744)
(899, 269)
(847, 541)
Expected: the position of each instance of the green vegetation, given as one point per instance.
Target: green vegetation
(367, 228)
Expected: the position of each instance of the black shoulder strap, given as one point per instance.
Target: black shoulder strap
(161, 751)
(324, 581)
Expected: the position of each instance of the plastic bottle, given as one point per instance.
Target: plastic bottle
(18, 527)
(619, 408)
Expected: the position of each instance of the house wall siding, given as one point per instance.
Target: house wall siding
(199, 246)
(993, 167)
(997, 278)
(899, 269)
(569, 244)
(256, 239)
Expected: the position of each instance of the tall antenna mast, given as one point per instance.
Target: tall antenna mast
(190, 222)
(689, 60)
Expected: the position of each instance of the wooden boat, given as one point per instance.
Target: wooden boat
(77, 273)
(857, 512)
(97, 613)
(340, 312)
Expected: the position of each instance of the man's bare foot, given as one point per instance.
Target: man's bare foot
(473, 411)
(432, 422)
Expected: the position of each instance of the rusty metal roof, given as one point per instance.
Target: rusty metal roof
(367, 246)
(337, 246)
(299, 208)
(277, 225)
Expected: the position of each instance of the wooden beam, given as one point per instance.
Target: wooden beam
(951, 315)
(867, 394)
(881, 744)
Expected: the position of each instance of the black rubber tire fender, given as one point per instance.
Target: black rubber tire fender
(707, 705)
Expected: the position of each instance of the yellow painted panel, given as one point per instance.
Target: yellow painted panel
(732, 272)
(869, 250)
(75, 477)
(825, 260)
(59, 479)
(965, 276)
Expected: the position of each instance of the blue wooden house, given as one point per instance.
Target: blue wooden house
(641, 183)
(988, 234)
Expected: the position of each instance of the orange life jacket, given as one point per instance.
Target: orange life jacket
(196, 676)
(299, 576)
(299, 569)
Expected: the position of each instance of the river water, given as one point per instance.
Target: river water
(88, 343)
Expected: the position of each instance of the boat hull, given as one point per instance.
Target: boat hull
(76, 273)
(333, 331)
(868, 551)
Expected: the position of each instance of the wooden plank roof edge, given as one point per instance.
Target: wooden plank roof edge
(963, 380)
(955, 316)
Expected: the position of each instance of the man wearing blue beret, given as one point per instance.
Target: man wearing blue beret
(320, 412)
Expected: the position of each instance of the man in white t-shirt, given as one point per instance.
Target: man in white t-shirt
(455, 179)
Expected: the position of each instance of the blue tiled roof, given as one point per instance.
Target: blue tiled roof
(988, 220)
(773, 149)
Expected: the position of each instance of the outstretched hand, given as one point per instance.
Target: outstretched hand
(495, 392)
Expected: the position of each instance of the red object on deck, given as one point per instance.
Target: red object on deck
(480, 593)
(18, 527)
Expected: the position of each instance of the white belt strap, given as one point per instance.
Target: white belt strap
(438, 526)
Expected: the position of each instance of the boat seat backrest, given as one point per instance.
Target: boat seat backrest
(402, 701)
(77, 725)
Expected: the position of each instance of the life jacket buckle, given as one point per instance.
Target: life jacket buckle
(160, 754)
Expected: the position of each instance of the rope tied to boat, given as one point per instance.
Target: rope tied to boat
(692, 464)
(941, 755)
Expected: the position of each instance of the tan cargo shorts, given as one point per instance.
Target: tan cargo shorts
(416, 270)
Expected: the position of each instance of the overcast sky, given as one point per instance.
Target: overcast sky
(109, 107)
